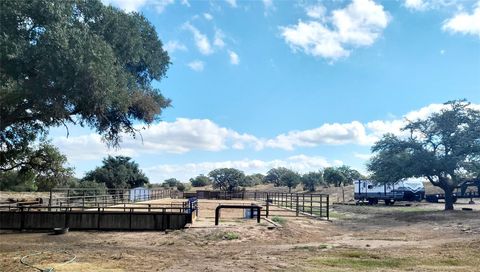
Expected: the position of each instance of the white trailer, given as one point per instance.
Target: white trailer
(405, 190)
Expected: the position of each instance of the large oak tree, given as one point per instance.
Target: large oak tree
(74, 62)
(444, 148)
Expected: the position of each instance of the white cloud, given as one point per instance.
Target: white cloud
(442, 52)
(329, 134)
(126, 5)
(423, 5)
(300, 163)
(232, 3)
(416, 4)
(196, 65)
(172, 46)
(208, 16)
(316, 11)
(234, 59)
(464, 23)
(218, 39)
(185, 135)
(161, 5)
(358, 24)
(136, 5)
(201, 40)
(185, 3)
(362, 156)
(88, 147)
(180, 136)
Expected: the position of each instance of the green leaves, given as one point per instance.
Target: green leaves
(445, 148)
(117, 173)
(75, 62)
(311, 180)
(226, 179)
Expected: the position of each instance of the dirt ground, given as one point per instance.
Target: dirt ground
(420, 237)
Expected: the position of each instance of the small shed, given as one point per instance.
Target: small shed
(139, 194)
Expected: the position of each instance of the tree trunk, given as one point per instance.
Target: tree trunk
(289, 189)
(449, 199)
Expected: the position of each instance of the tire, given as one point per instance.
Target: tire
(389, 202)
(372, 201)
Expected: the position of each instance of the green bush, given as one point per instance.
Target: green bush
(279, 220)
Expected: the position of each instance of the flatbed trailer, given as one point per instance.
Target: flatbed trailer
(373, 192)
(460, 192)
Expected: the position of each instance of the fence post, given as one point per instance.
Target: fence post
(328, 207)
(268, 204)
(22, 222)
(303, 202)
(297, 206)
(311, 204)
(50, 201)
(83, 200)
(321, 210)
(68, 197)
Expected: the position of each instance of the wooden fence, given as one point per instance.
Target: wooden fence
(133, 217)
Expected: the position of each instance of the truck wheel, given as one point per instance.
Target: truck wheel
(372, 201)
(389, 202)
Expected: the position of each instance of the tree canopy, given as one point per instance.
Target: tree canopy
(226, 179)
(44, 168)
(444, 148)
(274, 175)
(252, 180)
(75, 62)
(332, 175)
(311, 180)
(171, 182)
(349, 173)
(290, 179)
(118, 173)
(200, 181)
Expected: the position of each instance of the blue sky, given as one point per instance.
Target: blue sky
(301, 84)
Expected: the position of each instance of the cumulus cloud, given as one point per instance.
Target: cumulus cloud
(88, 147)
(315, 11)
(329, 134)
(234, 59)
(332, 37)
(300, 163)
(172, 46)
(136, 5)
(182, 135)
(196, 65)
(464, 22)
(126, 5)
(201, 40)
(185, 135)
(415, 4)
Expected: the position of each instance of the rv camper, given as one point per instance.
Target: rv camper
(405, 190)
